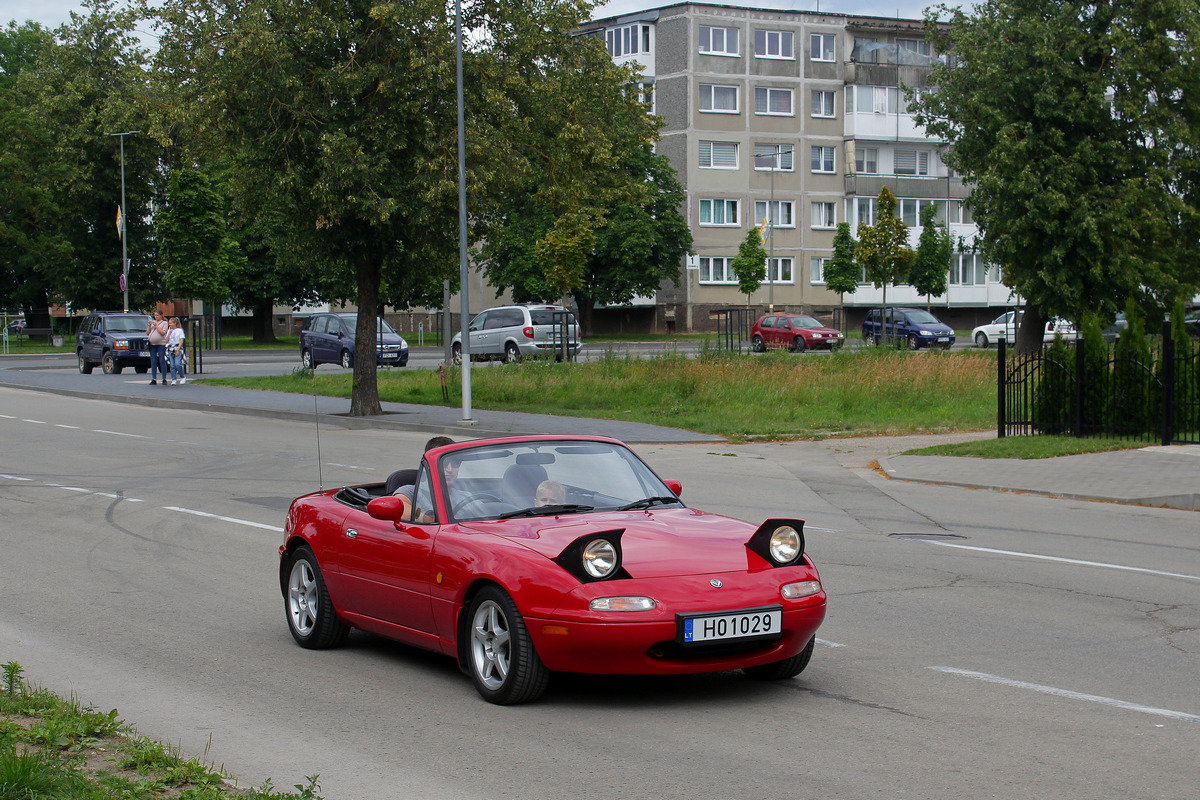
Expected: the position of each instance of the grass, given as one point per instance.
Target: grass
(52, 747)
(1026, 447)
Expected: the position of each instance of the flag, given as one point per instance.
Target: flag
(120, 231)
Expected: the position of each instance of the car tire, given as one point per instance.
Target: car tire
(782, 670)
(85, 366)
(981, 340)
(757, 345)
(141, 370)
(500, 657)
(878, 340)
(306, 359)
(110, 365)
(347, 360)
(456, 353)
(512, 353)
(799, 345)
(310, 615)
(913, 342)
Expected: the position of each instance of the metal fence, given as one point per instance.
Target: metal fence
(1149, 392)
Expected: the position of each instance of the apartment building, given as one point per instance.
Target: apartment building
(796, 119)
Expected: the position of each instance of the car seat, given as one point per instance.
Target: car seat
(521, 482)
(401, 477)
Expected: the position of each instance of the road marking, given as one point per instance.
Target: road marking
(119, 433)
(1062, 560)
(81, 490)
(35, 421)
(224, 519)
(15, 478)
(824, 643)
(71, 427)
(349, 466)
(7, 416)
(1067, 693)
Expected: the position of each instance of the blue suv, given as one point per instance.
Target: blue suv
(329, 339)
(113, 340)
(914, 326)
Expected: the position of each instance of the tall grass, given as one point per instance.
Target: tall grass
(776, 395)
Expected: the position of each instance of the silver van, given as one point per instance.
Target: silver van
(510, 332)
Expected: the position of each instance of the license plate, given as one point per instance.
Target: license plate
(759, 623)
(943, 338)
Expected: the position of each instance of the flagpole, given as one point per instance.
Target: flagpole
(121, 217)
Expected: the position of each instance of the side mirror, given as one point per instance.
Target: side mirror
(392, 508)
(675, 486)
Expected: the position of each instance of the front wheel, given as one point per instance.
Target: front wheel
(306, 359)
(85, 366)
(756, 344)
(110, 365)
(799, 345)
(913, 342)
(310, 615)
(503, 663)
(782, 670)
(456, 353)
(347, 360)
(981, 339)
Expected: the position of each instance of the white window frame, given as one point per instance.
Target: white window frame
(876, 99)
(784, 215)
(823, 159)
(816, 268)
(909, 209)
(710, 263)
(824, 215)
(706, 40)
(708, 150)
(763, 95)
(861, 203)
(781, 270)
(916, 162)
(709, 93)
(919, 46)
(781, 42)
(726, 205)
(822, 47)
(765, 154)
(866, 160)
(823, 103)
(627, 40)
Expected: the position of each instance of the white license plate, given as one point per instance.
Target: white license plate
(943, 338)
(763, 623)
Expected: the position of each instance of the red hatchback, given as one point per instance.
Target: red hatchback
(523, 556)
(797, 332)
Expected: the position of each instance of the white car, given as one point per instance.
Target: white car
(1004, 328)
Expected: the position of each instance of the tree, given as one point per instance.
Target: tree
(190, 233)
(931, 262)
(842, 271)
(1075, 124)
(750, 263)
(883, 249)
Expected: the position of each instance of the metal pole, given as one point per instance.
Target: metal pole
(124, 216)
(771, 215)
(462, 217)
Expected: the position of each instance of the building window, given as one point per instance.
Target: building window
(866, 160)
(864, 211)
(968, 269)
(874, 99)
(782, 218)
(720, 99)
(779, 270)
(824, 215)
(718, 41)
(821, 47)
(717, 211)
(822, 159)
(909, 210)
(960, 213)
(822, 103)
(627, 40)
(772, 101)
(773, 44)
(918, 46)
(866, 50)
(776, 157)
(910, 162)
(717, 270)
(719, 155)
(816, 269)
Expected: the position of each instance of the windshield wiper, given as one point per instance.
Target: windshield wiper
(646, 502)
(546, 511)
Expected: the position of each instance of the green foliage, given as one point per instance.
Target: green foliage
(1134, 403)
(1084, 176)
(12, 678)
(1187, 372)
(883, 249)
(1096, 375)
(931, 263)
(842, 271)
(1054, 393)
(750, 263)
(190, 233)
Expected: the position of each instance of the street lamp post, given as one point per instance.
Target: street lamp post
(123, 216)
(771, 212)
(465, 341)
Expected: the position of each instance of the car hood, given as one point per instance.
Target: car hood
(664, 542)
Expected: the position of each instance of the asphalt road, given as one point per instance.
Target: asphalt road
(977, 644)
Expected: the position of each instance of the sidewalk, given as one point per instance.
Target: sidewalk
(1153, 475)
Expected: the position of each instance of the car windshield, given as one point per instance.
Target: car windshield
(127, 324)
(806, 322)
(547, 477)
(351, 323)
(923, 318)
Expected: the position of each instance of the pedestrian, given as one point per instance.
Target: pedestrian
(175, 351)
(157, 332)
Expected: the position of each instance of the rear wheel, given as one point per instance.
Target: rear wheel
(981, 339)
(512, 354)
(85, 366)
(306, 358)
(347, 360)
(310, 614)
(110, 365)
(782, 670)
(503, 663)
(456, 353)
(757, 345)
(799, 345)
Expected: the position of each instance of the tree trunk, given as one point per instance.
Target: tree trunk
(1029, 334)
(264, 325)
(364, 393)
(583, 312)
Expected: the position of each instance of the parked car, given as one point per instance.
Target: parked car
(16, 326)
(915, 326)
(113, 340)
(1113, 332)
(1191, 324)
(510, 332)
(329, 339)
(614, 576)
(798, 332)
(1004, 329)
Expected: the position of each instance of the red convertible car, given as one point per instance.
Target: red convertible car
(528, 555)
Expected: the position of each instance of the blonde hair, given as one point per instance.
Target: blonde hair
(175, 321)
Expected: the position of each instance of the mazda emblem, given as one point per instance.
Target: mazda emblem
(716, 584)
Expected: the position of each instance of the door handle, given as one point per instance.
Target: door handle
(351, 533)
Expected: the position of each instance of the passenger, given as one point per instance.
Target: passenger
(549, 493)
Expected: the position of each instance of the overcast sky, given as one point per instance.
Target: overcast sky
(53, 13)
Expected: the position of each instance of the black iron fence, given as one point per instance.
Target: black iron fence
(1148, 391)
